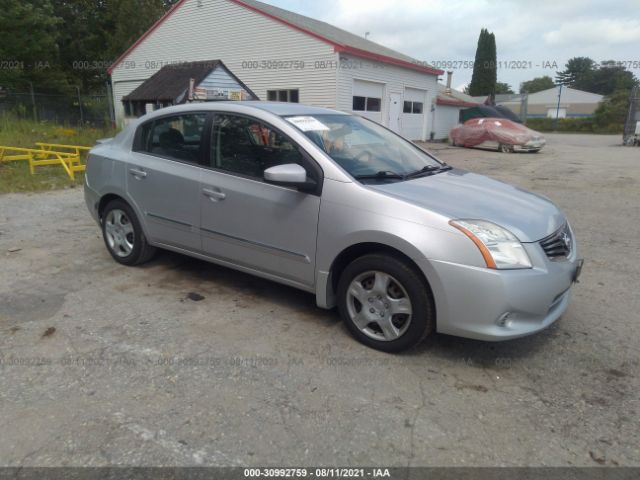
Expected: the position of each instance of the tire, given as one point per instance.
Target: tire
(504, 148)
(123, 235)
(362, 297)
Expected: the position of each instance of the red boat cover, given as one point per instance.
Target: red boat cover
(478, 130)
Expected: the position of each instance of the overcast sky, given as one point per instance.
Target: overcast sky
(540, 32)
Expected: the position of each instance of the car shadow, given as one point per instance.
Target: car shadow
(183, 274)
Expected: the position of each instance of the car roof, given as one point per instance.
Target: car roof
(277, 108)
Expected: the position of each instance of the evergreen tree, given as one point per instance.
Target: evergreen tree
(484, 77)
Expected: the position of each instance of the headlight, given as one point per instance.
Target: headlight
(499, 247)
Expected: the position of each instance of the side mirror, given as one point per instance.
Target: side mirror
(290, 174)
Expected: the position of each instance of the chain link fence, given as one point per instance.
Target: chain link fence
(79, 109)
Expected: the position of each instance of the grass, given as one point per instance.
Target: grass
(14, 132)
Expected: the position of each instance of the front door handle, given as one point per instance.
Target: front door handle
(137, 173)
(214, 195)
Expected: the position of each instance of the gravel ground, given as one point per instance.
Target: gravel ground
(107, 365)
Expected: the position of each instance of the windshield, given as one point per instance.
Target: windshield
(364, 148)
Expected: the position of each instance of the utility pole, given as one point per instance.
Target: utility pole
(555, 124)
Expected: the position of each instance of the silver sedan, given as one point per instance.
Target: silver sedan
(336, 205)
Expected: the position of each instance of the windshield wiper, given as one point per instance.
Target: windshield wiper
(428, 169)
(381, 174)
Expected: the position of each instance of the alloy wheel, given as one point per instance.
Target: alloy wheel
(119, 232)
(379, 306)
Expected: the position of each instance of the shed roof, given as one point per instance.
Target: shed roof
(172, 81)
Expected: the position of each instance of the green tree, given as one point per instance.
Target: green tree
(610, 77)
(129, 19)
(503, 88)
(537, 84)
(578, 73)
(28, 43)
(612, 111)
(484, 77)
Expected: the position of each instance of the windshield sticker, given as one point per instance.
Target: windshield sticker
(307, 124)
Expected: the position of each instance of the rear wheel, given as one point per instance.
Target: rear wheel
(123, 234)
(385, 303)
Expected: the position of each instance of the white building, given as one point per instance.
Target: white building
(565, 103)
(446, 112)
(283, 56)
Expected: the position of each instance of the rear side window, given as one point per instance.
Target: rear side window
(178, 137)
(248, 147)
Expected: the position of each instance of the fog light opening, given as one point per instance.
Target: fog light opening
(504, 320)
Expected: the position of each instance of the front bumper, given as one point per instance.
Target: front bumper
(531, 146)
(495, 305)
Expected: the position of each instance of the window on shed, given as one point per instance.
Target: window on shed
(417, 107)
(407, 107)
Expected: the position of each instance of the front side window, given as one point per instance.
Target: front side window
(177, 137)
(362, 147)
(248, 147)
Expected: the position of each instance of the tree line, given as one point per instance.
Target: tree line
(58, 45)
(581, 73)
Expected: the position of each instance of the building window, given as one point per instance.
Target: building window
(366, 104)
(413, 107)
(290, 96)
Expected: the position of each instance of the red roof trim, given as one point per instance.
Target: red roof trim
(338, 47)
(455, 103)
(283, 21)
(160, 21)
(385, 59)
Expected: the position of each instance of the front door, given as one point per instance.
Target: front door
(247, 221)
(395, 110)
(163, 178)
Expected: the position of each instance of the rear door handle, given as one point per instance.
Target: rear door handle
(137, 172)
(214, 195)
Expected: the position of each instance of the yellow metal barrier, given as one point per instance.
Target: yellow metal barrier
(69, 156)
(74, 162)
(46, 155)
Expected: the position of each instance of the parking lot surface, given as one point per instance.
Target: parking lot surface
(180, 362)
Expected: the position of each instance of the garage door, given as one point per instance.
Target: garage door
(367, 99)
(414, 114)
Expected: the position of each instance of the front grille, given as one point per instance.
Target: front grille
(558, 245)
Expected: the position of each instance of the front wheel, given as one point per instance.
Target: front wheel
(385, 303)
(123, 235)
(504, 148)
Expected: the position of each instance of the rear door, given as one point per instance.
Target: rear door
(250, 222)
(163, 177)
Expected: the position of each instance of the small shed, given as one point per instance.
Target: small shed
(177, 83)
(446, 109)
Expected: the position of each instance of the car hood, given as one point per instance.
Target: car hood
(459, 194)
